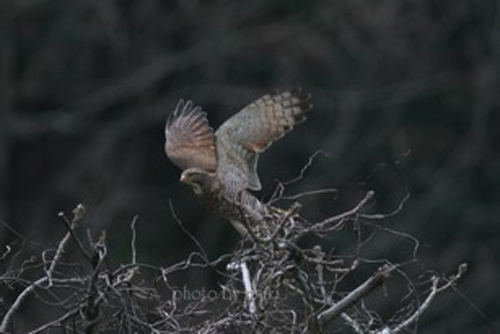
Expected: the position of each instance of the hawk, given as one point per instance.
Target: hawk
(221, 167)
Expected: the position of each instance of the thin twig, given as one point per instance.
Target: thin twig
(17, 303)
(354, 296)
(56, 322)
(321, 225)
(435, 289)
(71, 226)
(132, 242)
(185, 230)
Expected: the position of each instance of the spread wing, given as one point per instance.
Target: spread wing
(249, 132)
(189, 139)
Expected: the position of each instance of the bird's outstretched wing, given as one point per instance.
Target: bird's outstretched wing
(242, 137)
(189, 139)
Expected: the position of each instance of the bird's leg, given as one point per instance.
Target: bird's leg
(248, 218)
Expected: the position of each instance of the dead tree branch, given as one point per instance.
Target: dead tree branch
(274, 282)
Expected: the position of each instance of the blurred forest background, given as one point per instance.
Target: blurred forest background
(405, 94)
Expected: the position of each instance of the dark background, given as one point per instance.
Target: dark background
(406, 97)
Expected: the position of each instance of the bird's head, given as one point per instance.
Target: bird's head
(197, 178)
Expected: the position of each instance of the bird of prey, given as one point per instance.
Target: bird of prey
(221, 167)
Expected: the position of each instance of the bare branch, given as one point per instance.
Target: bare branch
(339, 218)
(249, 289)
(435, 289)
(71, 226)
(356, 295)
(23, 295)
(271, 281)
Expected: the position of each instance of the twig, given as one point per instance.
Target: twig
(321, 225)
(435, 289)
(394, 212)
(368, 286)
(185, 230)
(356, 326)
(20, 236)
(249, 290)
(57, 256)
(132, 242)
(56, 322)
(71, 226)
(17, 303)
(8, 250)
(284, 219)
(306, 167)
(311, 193)
(278, 192)
(92, 307)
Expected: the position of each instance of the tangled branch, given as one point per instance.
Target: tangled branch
(282, 278)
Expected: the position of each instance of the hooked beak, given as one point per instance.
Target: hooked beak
(183, 178)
